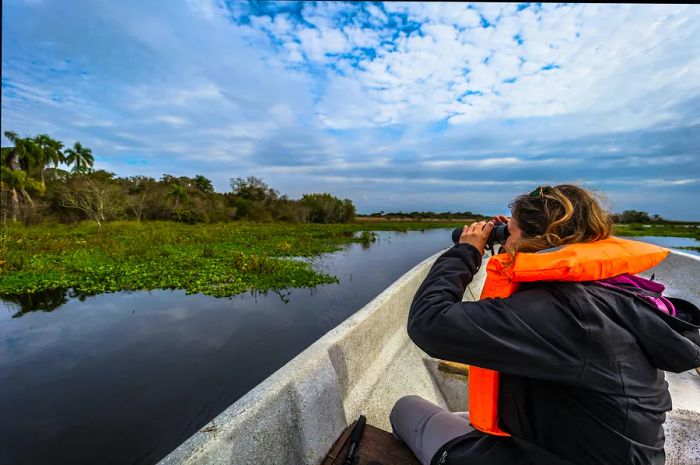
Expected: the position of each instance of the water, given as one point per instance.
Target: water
(124, 378)
(672, 242)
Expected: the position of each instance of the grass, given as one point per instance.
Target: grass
(673, 230)
(219, 260)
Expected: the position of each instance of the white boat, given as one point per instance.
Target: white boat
(368, 362)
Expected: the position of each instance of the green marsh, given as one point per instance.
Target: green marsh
(215, 259)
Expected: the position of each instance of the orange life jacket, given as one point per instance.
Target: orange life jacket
(575, 262)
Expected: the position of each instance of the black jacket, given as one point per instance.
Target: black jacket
(581, 365)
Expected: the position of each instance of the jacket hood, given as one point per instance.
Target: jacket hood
(671, 343)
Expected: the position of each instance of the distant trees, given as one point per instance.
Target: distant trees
(255, 200)
(203, 184)
(178, 194)
(626, 217)
(253, 189)
(34, 188)
(324, 208)
(97, 196)
(24, 166)
(136, 189)
(428, 215)
(634, 216)
(185, 199)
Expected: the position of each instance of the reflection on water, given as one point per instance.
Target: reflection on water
(50, 299)
(126, 377)
(45, 301)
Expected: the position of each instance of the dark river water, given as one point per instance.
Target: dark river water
(124, 378)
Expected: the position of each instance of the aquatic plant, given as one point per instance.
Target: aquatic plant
(217, 259)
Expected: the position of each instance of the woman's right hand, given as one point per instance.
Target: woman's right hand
(477, 234)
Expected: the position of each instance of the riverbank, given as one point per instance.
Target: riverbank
(672, 230)
(216, 259)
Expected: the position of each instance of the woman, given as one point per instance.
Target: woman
(577, 343)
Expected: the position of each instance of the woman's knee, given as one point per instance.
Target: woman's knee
(405, 402)
(406, 417)
(402, 409)
(410, 412)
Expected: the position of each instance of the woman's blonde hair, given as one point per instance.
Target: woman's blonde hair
(559, 215)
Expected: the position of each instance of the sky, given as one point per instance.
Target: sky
(418, 106)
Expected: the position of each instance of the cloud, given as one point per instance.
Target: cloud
(441, 64)
(411, 104)
(171, 120)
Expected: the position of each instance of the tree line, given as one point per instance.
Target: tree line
(635, 216)
(33, 189)
(626, 217)
(427, 215)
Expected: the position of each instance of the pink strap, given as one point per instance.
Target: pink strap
(650, 290)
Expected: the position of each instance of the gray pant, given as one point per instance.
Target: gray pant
(426, 427)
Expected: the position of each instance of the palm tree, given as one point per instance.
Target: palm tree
(52, 149)
(80, 157)
(203, 184)
(178, 193)
(15, 180)
(48, 152)
(17, 154)
(17, 183)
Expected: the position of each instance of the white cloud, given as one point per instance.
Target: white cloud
(171, 120)
(316, 43)
(203, 8)
(652, 182)
(592, 50)
(497, 162)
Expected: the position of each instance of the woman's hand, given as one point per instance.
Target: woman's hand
(477, 234)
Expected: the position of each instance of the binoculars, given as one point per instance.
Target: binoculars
(498, 235)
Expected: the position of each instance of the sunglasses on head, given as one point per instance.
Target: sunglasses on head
(540, 191)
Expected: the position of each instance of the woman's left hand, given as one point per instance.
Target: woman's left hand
(477, 234)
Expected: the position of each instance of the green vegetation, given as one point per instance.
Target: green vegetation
(217, 259)
(220, 259)
(33, 190)
(660, 229)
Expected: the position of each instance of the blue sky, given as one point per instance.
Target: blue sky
(416, 106)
